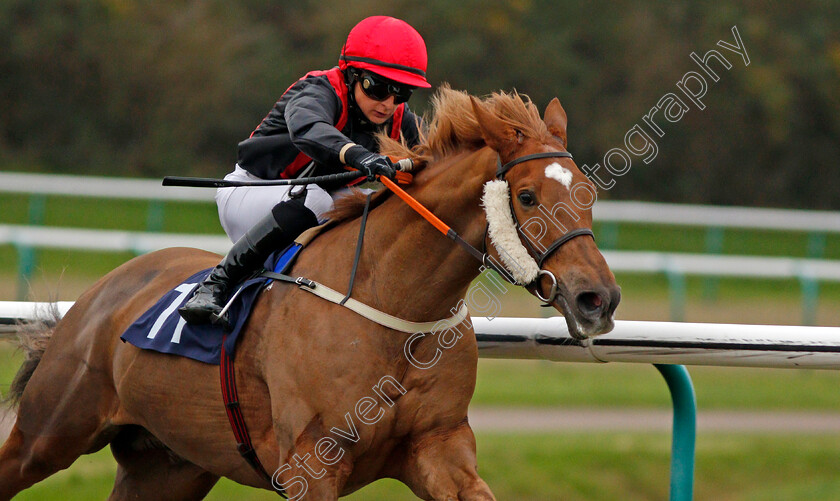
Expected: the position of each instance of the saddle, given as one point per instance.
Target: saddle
(161, 329)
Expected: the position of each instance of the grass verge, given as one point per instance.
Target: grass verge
(591, 466)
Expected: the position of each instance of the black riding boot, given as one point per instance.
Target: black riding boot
(275, 231)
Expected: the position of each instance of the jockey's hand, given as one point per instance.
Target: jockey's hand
(370, 163)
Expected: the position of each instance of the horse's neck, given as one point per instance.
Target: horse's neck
(417, 272)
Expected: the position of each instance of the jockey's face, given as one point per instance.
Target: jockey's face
(377, 112)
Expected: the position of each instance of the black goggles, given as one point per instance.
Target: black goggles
(379, 89)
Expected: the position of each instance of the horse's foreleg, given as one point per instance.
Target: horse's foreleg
(305, 478)
(441, 466)
(308, 476)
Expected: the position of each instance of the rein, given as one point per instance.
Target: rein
(484, 257)
(436, 222)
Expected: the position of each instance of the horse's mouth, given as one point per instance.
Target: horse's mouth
(590, 313)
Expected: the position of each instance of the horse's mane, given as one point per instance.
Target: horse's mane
(452, 127)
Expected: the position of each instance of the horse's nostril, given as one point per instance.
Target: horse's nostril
(590, 303)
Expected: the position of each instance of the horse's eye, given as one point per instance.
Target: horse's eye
(527, 198)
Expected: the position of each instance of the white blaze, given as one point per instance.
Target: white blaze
(558, 172)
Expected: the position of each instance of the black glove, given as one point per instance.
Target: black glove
(370, 163)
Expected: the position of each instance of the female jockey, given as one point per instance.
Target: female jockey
(323, 121)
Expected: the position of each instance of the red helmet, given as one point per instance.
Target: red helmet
(388, 47)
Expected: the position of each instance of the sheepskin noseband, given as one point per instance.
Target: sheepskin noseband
(503, 234)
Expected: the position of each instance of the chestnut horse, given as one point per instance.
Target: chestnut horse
(331, 399)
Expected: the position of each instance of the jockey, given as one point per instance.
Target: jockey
(325, 120)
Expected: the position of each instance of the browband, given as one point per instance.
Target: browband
(502, 169)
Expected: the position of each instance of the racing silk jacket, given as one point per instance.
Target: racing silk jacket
(313, 120)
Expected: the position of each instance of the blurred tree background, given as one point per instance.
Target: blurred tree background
(148, 88)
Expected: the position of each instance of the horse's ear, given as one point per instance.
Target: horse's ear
(496, 133)
(555, 119)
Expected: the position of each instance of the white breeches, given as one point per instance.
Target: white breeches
(240, 208)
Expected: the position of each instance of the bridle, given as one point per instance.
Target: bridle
(483, 256)
(540, 257)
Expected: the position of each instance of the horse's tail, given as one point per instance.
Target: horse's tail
(33, 338)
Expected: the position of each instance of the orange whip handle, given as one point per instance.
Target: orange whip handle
(441, 226)
(414, 204)
(405, 178)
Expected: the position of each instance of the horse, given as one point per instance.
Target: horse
(333, 400)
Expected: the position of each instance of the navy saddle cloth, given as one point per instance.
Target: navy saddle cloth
(162, 329)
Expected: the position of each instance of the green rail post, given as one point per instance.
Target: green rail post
(608, 235)
(676, 291)
(810, 286)
(154, 216)
(27, 255)
(684, 432)
(27, 258)
(816, 245)
(714, 245)
(810, 299)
